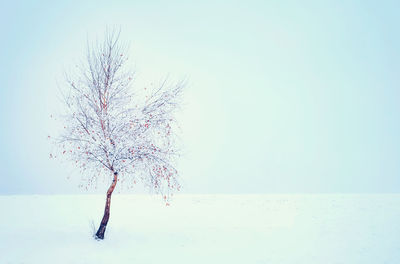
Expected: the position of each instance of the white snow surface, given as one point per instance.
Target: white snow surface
(313, 228)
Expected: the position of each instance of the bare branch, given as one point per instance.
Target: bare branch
(110, 126)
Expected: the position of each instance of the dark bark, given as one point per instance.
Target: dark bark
(106, 216)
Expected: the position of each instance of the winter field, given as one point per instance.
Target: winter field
(323, 228)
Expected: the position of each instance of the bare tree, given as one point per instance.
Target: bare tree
(112, 127)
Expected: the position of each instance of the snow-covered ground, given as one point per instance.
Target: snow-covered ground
(323, 228)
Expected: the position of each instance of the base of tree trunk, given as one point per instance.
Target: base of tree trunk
(100, 232)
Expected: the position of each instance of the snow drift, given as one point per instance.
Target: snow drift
(202, 229)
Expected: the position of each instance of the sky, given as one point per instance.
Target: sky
(282, 96)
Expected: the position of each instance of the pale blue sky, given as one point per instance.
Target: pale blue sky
(283, 96)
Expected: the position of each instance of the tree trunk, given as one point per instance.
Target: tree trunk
(104, 221)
